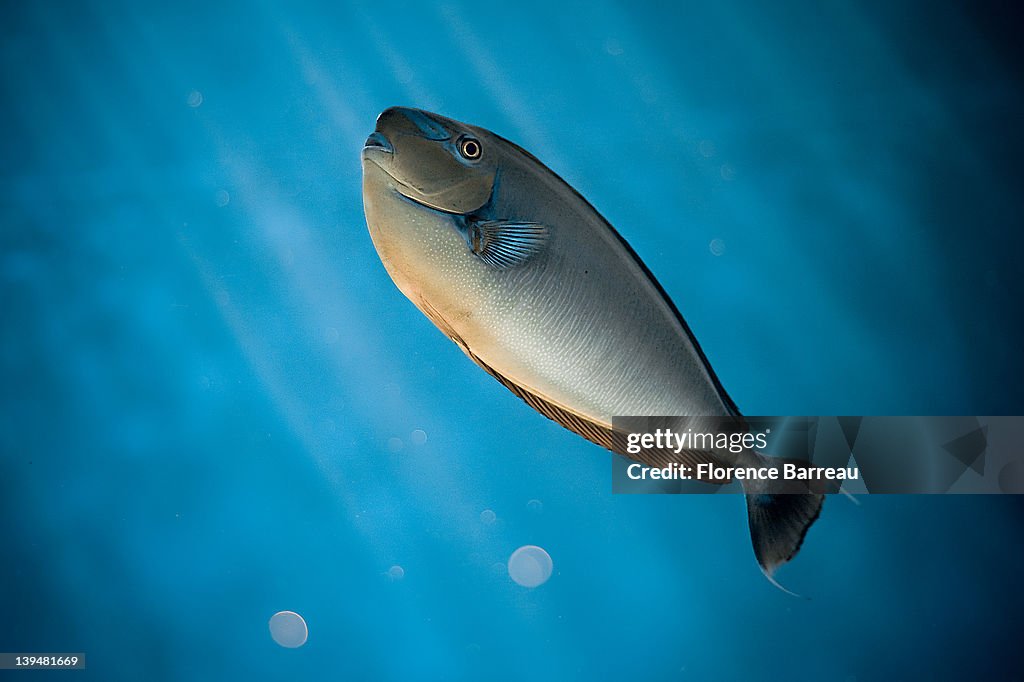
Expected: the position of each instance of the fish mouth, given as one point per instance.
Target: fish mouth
(378, 142)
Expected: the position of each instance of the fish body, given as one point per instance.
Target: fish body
(520, 271)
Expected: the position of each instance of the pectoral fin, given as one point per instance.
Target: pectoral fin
(505, 243)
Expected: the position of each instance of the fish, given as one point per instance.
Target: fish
(541, 292)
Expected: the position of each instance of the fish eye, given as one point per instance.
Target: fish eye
(470, 148)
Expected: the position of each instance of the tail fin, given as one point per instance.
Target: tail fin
(779, 512)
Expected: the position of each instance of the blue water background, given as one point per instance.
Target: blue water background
(210, 384)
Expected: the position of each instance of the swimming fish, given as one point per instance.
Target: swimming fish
(539, 290)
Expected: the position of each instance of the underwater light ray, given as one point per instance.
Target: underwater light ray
(290, 404)
(342, 106)
(402, 73)
(308, 286)
(506, 97)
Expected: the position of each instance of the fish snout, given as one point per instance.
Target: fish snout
(406, 121)
(378, 149)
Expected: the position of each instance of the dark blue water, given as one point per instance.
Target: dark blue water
(210, 385)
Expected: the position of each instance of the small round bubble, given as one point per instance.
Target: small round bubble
(418, 437)
(194, 99)
(530, 566)
(488, 516)
(535, 506)
(288, 629)
(395, 444)
(613, 47)
(222, 198)
(396, 572)
(717, 247)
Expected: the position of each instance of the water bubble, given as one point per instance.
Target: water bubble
(395, 444)
(706, 148)
(288, 629)
(728, 172)
(195, 98)
(498, 568)
(222, 198)
(488, 516)
(613, 47)
(418, 437)
(717, 247)
(530, 566)
(396, 572)
(536, 506)
(331, 335)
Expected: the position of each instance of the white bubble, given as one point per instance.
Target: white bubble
(195, 98)
(418, 437)
(222, 198)
(331, 335)
(488, 516)
(530, 566)
(536, 506)
(613, 47)
(707, 148)
(396, 572)
(395, 444)
(728, 172)
(717, 247)
(288, 629)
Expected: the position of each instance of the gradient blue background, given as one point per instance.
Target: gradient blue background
(204, 363)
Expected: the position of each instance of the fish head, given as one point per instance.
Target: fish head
(434, 161)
